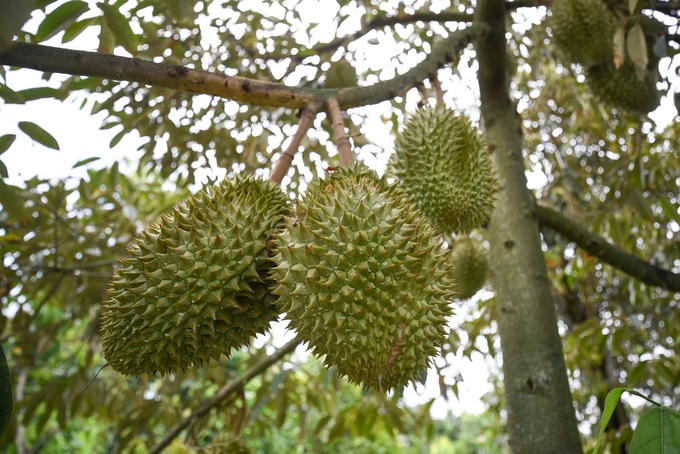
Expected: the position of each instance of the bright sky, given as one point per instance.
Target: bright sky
(79, 137)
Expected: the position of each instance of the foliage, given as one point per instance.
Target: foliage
(614, 172)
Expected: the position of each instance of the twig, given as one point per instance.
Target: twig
(598, 247)
(438, 92)
(286, 159)
(224, 392)
(341, 139)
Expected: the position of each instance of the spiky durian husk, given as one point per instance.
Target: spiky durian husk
(195, 284)
(365, 279)
(442, 167)
(583, 30)
(341, 74)
(470, 262)
(227, 443)
(622, 88)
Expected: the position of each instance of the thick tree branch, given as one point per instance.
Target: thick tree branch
(224, 392)
(599, 247)
(241, 89)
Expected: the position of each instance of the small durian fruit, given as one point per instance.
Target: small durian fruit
(622, 88)
(227, 443)
(365, 279)
(583, 31)
(442, 167)
(470, 261)
(196, 283)
(341, 74)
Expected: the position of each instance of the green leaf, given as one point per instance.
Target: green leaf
(60, 19)
(11, 203)
(637, 46)
(74, 30)
(31, 94)
(117, 138)
(38, 134)
(619, 46)
(632, 5)
(658, 431)
(10, 96)
(6, 141)
(3, 170)
(610, 404)
(5, 393)
(120, 26)
(82, 162)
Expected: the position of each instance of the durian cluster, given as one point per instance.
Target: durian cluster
(356, 267)
(359, 272)
(583, 31)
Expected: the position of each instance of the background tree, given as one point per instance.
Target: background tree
(220, 85)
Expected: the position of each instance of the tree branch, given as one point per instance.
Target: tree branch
(286, 159)
(241, 89)
(598, 247)
(224, 392)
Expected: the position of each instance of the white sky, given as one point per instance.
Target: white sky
(79, 137)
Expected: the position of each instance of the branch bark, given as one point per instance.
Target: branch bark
(241, 89)
(538, 400)
(598, 247)
(224, 392)
(286, 159)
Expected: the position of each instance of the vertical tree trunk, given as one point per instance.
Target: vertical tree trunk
(538, 401)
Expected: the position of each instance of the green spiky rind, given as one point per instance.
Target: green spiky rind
(196, 283)
(583, 31)
(442, 167)
(228, 443)
(470, 270)
(622, 88)
(341, 74)
(365, 279)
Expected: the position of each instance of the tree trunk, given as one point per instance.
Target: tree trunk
(540, 413)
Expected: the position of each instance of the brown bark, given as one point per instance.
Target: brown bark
(540, 412)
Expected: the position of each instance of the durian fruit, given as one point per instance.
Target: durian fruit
(196, 283)
(583, 31)
(622, 88)
(442, 167)
(341, 74)
(470, 270)
(365, 279)
(227, 443)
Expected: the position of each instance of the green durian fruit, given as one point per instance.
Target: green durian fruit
(622, 88)
(442, 167)
(365, 279)
(470, 270)
(341, 74)
(227, 443)
(583, 31)
(196, 283)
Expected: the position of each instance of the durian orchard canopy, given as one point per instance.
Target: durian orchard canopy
(367, 270)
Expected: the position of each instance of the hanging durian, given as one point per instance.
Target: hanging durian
(442, 167)
(196, 283)
(622, 88)
(470, 270)
(365, 279)
(583, 30)
(341, 74)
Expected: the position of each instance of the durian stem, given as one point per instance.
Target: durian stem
(286, 159)
(438, 92)
(224, 392)
(341, 139)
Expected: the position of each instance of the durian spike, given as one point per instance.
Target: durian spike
(341, 139)
(286, 159)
